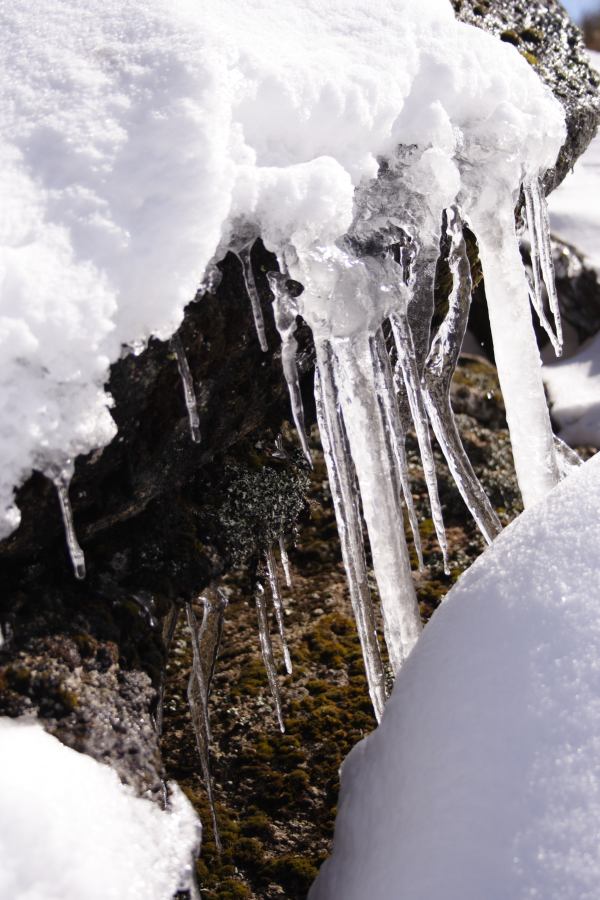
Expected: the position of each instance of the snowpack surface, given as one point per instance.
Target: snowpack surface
(483, 779)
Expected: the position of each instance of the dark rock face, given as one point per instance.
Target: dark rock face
(543, 33)
(158, 516)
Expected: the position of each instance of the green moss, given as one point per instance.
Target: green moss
(532, 35)
(510, 37)
(295, 873)
(530, 57)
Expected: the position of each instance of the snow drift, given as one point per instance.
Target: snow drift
(70, 830)
(483, 777)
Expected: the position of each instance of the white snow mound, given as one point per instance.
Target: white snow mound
(134, 132)
(573, 387)
(69, 830)
(483, 779)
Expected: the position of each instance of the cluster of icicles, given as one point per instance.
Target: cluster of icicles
(371, 388)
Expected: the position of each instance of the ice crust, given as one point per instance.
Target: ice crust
(482, 779)
(134, 134)
(69, 830)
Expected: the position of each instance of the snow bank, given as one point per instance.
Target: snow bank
(132, 134)
(483, 779)
(69, 830)
(574, 207)
(573, 387)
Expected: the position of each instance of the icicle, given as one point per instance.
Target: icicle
(62, 476)
(267, 651)
(345, 501)
(389, 405)
(198, 702)
(168, 632)
(515, 347)
(537, 302)
(407, 361)
(538, 226)
(439, 369)
(285, 311)
(278, 605)
(211, 630)
(285, 562)
(188, 388)
(366, 431)
(245, 258)
(567, 459)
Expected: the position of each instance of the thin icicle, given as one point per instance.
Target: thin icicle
(345, 500)
(168, 632)
(439, 369)
(537, 302)
(188, 388)
(285, 310)
(62, 476)
(369, 446)
(538, 225)
(245, 258)
(198, 702)
(567, 459)
(285, 562)
(278, 605)
(407, 361)
(267, 651)
(389, 404)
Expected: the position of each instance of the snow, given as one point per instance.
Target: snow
(574, 207)
(69, 830)
(136, 134)
(573, 387)
(483, 779)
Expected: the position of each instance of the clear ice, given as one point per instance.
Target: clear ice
(188, 388)
(197, 693)
(278, 605)
(439, 369)
(285, 562)
(285, 310)
(266, 648)
(245, 257)
(538, 226)
(62, 476)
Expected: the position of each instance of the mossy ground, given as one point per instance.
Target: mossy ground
(277, 793)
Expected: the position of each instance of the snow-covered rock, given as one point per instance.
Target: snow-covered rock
(69, 830)
(574, 206)
(483, 779)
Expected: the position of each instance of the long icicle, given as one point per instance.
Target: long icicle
(62, 476)
(538, 225)
(515, 348)
(366, 431)
(266, 648)
(278, 605)
(439, 369)
(387, 397)
(408, 364)
(198, 702)
(245, 258)
(285, 311)
(345, 501)
(188, 388)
